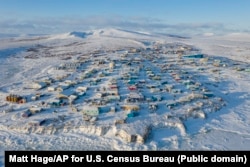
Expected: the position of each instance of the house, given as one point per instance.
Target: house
(61, 88)
(72, 98)
(100, 95)
(134, 50)
(66, 94)
(132, 87)
(113, 86)
(98, 102)
(132, 114)
(59, 78)
(188, 82)
(164, 82)
(177, 78)
(112, 97)
(142, 81)
(157, 98)
(131, 82)
(52, 88)
(48, 80)
(113, 92)
(91, 110)
(56, 102)
(153, 90)
(157, 77)
(192, 87)
(120, 121)
(208, 94)
(135, 97)
(34, 98)
(81, 89)
(35, 109)
(196, 56)
(130, 107)
(149, 86)
(93, 82)
(169, 87)
(151, 75)
(113, 81)
(133, 77)
(70, 65)
(14, 98)
(138, 135)
(69, 82)
(38, 85)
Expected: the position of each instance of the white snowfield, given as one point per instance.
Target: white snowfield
(25, 60)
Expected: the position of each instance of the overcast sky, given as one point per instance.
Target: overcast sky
(169, 16)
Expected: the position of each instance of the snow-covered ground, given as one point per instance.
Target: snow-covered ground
(24, 60)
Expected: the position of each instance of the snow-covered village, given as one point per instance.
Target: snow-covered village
(145, 93)
(124, 76)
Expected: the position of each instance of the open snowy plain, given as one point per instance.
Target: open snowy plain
(221, 122)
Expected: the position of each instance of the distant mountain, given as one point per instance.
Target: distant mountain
(107, 32)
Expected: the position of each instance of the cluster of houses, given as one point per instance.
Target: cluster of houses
(132, 83)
